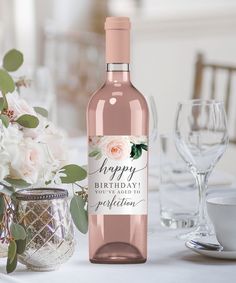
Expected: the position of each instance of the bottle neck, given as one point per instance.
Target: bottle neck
(118, 72)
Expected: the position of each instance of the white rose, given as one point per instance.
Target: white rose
(4, 165)
(9, 139)
(55, 143)
(116, 147)
(18, 106)
(4, 158)
(27, 162)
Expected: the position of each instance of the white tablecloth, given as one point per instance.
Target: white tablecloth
(168, 258)
(168, 261)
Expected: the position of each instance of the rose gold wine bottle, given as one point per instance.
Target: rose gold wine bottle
(117, 123)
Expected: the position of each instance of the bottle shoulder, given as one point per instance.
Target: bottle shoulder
(116, 94)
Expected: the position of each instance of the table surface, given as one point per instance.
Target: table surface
(168, 261)
(168, 258)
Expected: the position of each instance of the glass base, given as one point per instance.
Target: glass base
(42, 268)
(178, 220)
(200, 232)
(117, 253)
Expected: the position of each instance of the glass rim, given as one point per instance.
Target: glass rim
(222, 201)
(199, 101)
(41, 194)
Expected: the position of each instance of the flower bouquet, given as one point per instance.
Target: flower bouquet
(33, 153)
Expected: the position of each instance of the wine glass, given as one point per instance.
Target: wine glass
(201, 138)
(152, 118)
(152, 135)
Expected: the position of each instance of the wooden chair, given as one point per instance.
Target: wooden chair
(201, 66)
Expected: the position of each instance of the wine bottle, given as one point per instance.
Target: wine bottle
(117, 126)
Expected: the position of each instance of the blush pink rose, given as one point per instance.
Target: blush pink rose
(27, 161)
(117, 148)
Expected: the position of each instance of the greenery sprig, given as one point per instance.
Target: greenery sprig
(11, 233)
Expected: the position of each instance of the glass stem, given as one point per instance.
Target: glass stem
(201, 180)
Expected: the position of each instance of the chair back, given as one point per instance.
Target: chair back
(227, 94)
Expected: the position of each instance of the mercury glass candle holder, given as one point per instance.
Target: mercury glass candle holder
(50, 238)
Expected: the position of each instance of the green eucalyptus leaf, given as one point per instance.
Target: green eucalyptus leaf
(42, 111)
(7, 190)
(11, 266)
(12, 251)
(2, 206)
(12, 60)
(73, 172)
(5, 120)
(17, 183)
(3, 103)
(6, 82)
(28, 121)
(79, 214)
(21, 245)
(18, 231)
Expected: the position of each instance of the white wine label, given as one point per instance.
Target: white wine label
(117, 175)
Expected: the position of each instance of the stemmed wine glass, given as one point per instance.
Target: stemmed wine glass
(152, 135)
(152, 118)
(201, 138)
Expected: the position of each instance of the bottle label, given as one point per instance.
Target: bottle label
(117, 175)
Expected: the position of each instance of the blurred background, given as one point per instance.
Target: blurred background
(63, 44)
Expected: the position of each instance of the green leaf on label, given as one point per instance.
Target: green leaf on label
(12, 60)
(11, 251)
(79, 213)
(94, 153)
(42, 111)
(17, 183)
(5, 120)
(136, 151)
(18, 231)
(21, 245)
(11, 266)
(28, 121)
(144, 146)
(73, 172)
(6, 82)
